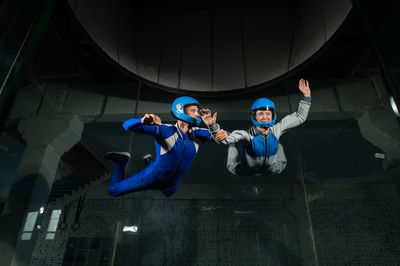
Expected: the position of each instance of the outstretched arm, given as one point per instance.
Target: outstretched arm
(220, 135)
(237, 136)
(148, 124)
(297, 118)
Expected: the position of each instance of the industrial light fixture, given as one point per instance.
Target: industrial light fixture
(394, 106)
(132, 229)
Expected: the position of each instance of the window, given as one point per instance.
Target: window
(29, 225)
(51, 229)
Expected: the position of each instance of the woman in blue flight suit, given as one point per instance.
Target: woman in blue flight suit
(176, 148)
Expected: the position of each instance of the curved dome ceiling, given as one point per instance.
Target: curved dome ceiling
(203, 49)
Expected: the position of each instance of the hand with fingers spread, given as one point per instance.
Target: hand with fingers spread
(151, 119)
(304, 88)
(220, 135)
(207, 117)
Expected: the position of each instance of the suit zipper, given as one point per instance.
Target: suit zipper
(266, 151)
(183, 155)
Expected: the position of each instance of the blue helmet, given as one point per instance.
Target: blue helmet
(263, 104)
(178, 110)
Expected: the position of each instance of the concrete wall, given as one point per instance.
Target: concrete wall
(344, 99)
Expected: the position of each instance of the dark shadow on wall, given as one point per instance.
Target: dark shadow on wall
(14, 215)
(336, 148)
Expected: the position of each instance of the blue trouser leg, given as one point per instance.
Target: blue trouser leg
(144, 180)
(117, 176)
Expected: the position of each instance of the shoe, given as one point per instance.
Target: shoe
(116, 156)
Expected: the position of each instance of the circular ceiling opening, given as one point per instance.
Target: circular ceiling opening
(209, 49)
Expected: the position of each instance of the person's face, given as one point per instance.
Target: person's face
(192, 110)
(263, 116)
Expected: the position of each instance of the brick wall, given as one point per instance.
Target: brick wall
(218, 232)
(182, 232)
(235, 232)
(357, 232)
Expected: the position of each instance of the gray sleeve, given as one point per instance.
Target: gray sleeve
(297, 118)
(234, 137)
(237, 136)
(214, 128)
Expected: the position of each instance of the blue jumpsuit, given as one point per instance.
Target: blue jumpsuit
(175, 153)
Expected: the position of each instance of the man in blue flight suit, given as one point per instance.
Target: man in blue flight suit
(263, 153)
(176, 148)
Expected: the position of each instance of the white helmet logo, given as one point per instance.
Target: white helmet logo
(179, 108)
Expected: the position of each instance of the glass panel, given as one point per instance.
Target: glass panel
(50, 236)
(55, 216)
(337, 202)
(351, 190)
(26, 236)
(30, 221)
(336, 149)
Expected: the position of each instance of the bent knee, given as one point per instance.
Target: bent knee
(277, 167)
(231, 168)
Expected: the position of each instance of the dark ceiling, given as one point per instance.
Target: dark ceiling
(68, 55)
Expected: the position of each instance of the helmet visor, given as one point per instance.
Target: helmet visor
(192, 110)
(263, 114)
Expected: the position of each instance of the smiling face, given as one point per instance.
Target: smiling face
(263, 116)
(192, 111)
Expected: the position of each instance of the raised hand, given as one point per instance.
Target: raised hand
(207, 117)
(304, 88)
(151, 119)
(220, 135)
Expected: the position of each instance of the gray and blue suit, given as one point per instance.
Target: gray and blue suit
(263, 153)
